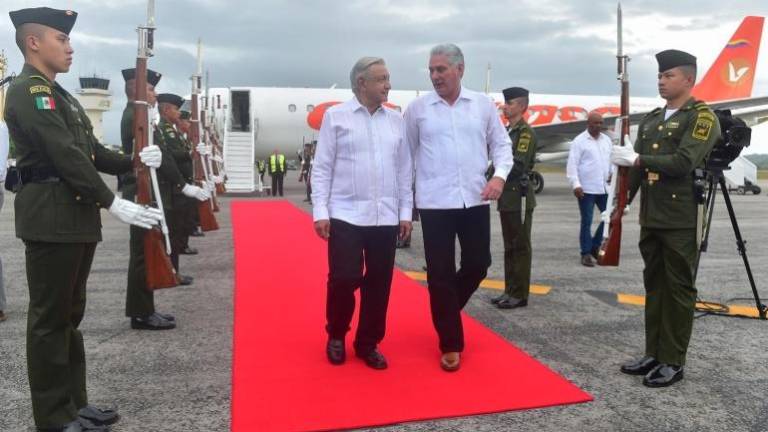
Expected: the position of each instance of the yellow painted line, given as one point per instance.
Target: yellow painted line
(486, 283)
(741, 310)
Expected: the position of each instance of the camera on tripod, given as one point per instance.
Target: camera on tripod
(734, 136)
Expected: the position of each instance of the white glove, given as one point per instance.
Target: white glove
(203, 149)
(134, 214)
(605, 217)
(151, 156)
(195, 192)
(217, 179)
(218, 159)
(210, 185)
(624, 155)
(626, 210)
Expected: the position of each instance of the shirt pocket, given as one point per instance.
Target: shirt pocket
(74, 214)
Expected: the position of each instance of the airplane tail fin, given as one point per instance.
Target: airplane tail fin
(732, 75)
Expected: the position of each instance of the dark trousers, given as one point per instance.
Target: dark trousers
(57, 274)
(670, 295)
(517, 253)
(352, 249)
(449, 289)
(139, 301)
(587, 241)
(277, 184)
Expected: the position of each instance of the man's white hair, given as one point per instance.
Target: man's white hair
(453, 52)
(361, 69)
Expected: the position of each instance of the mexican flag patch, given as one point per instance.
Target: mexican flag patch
(45, 103)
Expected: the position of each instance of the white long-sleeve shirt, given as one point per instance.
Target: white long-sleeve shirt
(451, 145)
(589, 163)
(4, 147)
(362, 171)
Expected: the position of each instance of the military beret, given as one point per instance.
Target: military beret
(152, 77)
(61, 20)
(514, 92)
(185, 115)
(673, 58)
(171, 99)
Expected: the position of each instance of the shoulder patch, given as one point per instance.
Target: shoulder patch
(524, 142)
(40, 89)
(46, 103)
(703, 127)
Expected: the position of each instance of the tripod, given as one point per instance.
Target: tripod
(714, 177)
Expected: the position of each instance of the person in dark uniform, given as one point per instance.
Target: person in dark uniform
(672, 141)
(169, 108)
(58, 216)
(191, 215)
(516, 221)
(139, 301)
(306, 168)
(261, 165)
(276, 166)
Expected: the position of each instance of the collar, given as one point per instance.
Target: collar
(519, 125)
(356, 105)
(463, 94)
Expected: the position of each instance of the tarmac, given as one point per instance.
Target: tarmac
(179, 380)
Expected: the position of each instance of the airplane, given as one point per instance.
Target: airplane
(257, 120)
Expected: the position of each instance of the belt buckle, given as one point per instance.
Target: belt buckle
(652, 177)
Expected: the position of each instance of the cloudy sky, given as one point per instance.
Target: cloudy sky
(548, 46)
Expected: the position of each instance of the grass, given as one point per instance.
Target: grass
(762, 174)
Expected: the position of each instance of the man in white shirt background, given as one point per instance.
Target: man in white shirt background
(589, 173)
(4, 147)
(362, 202)
(452, 134)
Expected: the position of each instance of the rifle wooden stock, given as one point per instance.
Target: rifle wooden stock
(159, 270)
(207, 219)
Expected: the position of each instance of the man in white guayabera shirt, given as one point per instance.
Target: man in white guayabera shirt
(363, 200)
(589, 171)
(451, 133)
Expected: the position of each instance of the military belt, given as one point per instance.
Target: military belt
(38, 175)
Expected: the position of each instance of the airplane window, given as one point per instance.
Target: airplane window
(291, 108)
(310, 108)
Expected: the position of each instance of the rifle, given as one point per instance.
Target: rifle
(159, 270)
(207, 219)
(611, 247)
(206, 161)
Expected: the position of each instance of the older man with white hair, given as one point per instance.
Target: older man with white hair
(452, 134)
(363, 198)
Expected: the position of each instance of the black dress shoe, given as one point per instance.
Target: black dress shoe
(663, 375)
(89, 426)
(640, 367)
(497, 299)
(186, 280)
(334, 349)
(512, 303)
(167, 317)
(152, 322)
(98, 416)
(374, 359)
(189, 251)
(197, 234)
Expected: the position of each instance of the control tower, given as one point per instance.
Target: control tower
(95, 97)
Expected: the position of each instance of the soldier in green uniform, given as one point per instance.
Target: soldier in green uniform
(191, 215)
(671, 143)
(58, 216)
(516, 221)
(139, 301)
(169, 108)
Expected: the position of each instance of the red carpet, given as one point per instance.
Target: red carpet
(281, 380)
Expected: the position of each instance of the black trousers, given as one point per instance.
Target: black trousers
(277, 184)
(449, 289)
(359, 256)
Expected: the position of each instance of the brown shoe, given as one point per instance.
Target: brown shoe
(3, 316)
(587, 261)
(450, 361)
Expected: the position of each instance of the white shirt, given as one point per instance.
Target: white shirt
(362, 171)
(589, 163)
(4, 147)
(451, 146)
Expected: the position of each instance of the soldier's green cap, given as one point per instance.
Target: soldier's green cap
(61, 20)
(185, 115)
(514, 92)
(171, 99)
(669, 59)
(152, 76)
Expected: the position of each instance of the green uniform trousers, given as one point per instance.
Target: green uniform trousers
(517, 252)
(57, 274)
(139, 301)
(669, 256)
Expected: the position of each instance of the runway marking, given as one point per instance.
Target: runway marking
(733, 310)
(486, 283)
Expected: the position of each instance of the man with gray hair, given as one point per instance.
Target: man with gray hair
(362, 197)
(452, 133)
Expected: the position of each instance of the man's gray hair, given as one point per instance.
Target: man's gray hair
(361, 68)
(454, 54)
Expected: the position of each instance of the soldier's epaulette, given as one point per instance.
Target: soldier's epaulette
(701, 106)
(40, 78)
(653, 112)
